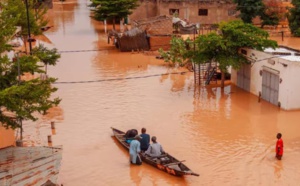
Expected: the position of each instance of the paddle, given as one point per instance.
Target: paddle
(195, 174)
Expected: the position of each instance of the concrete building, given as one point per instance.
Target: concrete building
(273, 76)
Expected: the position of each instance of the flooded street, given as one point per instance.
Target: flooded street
(226, 136)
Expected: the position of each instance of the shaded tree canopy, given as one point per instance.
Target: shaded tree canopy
(17, 10)
(113, 9)
(249, 9)
(294, 18)
(271, 13)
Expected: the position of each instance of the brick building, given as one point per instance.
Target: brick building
(195, 11)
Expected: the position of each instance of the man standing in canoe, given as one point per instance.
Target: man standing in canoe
(134, 150)
(279, 147)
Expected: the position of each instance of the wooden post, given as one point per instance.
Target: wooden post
(49, 139)
(52, 125)
(19, 143)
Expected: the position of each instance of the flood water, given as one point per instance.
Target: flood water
(226, 136)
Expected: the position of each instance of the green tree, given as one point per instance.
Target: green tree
(23, 98)
(45, 55)
(294, 18)
(249, 9)
(178, 53)
(224, 47)
(7, 25)
(17, 10)
(113, 9)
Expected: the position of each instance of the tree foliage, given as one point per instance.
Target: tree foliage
(113, 9)
(223, 47)
(178, 52)
(45, 55)
(271, 13)
(7, 25)
(16, 11)
(249, 9)
(23, 98)
(294, 18)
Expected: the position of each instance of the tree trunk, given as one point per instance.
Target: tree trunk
(114, 23)
(222, 79)
(24, 41)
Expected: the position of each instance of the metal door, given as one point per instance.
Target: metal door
(270, 87)
(243, 77)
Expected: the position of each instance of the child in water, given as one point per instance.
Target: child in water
(279, 147)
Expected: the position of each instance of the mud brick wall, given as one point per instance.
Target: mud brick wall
(157, 42)
(145, 10)
(158, 27)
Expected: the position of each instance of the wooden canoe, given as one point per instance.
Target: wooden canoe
(165, 162)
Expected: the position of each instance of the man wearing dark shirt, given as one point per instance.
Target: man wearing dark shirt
(145, 140)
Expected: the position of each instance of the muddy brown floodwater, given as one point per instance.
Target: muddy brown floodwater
(226, 136)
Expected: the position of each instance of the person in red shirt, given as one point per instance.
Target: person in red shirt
(279, 147)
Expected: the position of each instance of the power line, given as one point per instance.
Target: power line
(77, 51)
(118, 79)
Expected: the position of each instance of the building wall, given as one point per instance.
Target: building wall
(145, 10)
(7, 137)
(293, 98)
(217, 12)
(289, 87)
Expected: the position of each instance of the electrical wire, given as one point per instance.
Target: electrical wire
(118, 79)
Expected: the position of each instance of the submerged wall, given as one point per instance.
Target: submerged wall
(288, 71)
(7, 137)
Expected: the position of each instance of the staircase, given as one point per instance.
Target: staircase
(205, 73)
(211, 73)
(199, 73)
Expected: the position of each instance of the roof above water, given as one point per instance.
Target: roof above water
(284, 53)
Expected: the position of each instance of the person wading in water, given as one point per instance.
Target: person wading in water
(134, 150)
(279, 146)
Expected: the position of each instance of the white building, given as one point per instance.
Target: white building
(273, 75)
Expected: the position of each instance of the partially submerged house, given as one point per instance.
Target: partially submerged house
(134, 39)
(273, 76)
(200, 11)
(146, 34)
(159, 30)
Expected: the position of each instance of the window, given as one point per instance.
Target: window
(203, 12)
(243, 51)
(231, 12)
(174, 11)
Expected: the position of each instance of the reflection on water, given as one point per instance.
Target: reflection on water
(135, 174)
(278, 169)
(225, 135)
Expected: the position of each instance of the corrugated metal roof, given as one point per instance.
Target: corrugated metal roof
(284, 53)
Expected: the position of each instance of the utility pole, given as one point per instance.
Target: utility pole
(20, 142)
(28, 27)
